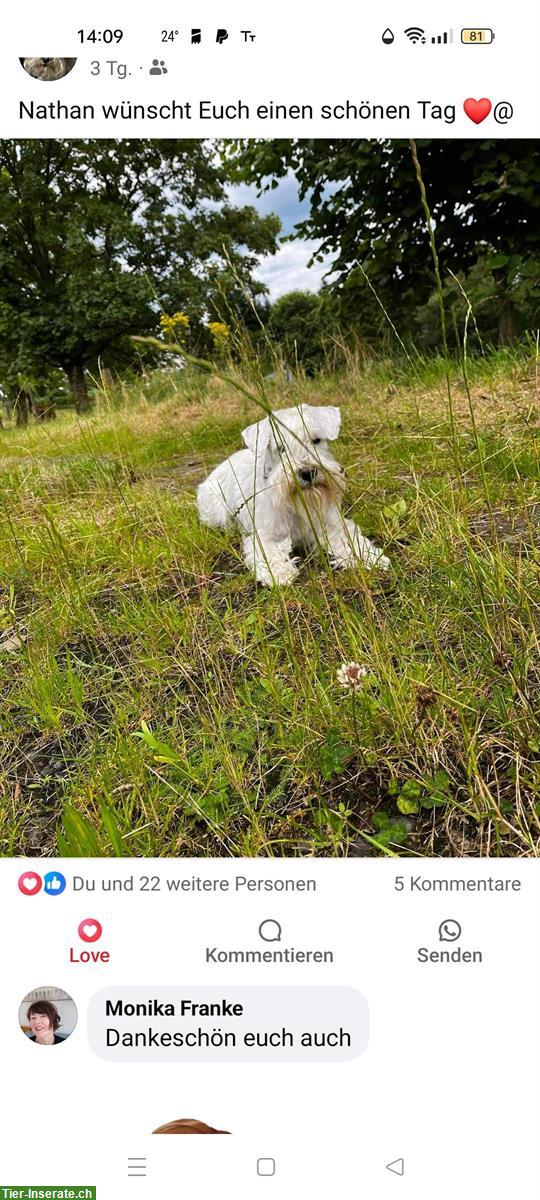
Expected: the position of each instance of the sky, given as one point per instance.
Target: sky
(287, 269)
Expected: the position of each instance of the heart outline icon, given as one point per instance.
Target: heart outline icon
(90, 930)
(477, 110)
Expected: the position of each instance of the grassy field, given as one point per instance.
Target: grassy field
(156, 701)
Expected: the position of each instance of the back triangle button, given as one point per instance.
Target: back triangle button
(397, 1167)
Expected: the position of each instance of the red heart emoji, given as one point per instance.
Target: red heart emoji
(477, 110)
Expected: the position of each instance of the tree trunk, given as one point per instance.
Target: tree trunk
(44, 410)
(507, 322)
(77, 380)
(21, 407)
(507, 308)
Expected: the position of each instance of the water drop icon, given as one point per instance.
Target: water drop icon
(388, 37)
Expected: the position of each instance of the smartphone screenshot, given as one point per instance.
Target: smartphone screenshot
(269, 602)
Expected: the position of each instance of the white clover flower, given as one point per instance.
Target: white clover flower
(351, 676)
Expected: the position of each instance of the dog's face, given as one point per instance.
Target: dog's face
(293, 452)
(48, 69)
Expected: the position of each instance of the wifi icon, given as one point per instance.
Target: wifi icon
(415, 34)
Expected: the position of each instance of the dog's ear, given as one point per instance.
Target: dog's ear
(324, 422)
(257, 439)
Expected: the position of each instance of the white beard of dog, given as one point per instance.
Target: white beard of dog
(285, 491)
(48, 69)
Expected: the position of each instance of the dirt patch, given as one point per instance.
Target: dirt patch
(514, 529)
(112, 653)
(187, 472)
(40, 767)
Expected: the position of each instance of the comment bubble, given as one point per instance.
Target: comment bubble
(270, 931)
(229, 1024)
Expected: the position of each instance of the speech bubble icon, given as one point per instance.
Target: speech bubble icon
(449, 931)
(270, 931)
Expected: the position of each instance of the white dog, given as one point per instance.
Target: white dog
(284, 491)
(49, 69)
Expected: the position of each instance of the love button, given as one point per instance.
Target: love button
(90, 930)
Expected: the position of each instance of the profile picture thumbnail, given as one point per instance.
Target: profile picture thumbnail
(48, 69)
(188, 1125)
(47, 1016)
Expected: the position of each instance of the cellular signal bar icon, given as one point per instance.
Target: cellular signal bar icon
(443, 39)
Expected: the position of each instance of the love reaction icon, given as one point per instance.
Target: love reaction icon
(90, 930)
(477, 110)
(29, 883)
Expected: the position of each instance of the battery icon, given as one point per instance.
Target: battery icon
(477, 37)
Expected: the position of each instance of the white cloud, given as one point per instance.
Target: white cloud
(287, 270)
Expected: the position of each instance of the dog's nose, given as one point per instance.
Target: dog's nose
(307, 474)
(46, 60)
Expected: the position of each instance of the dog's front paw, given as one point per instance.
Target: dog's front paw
(276, 567)
(379, 560)
(369, 558)
(278, 574)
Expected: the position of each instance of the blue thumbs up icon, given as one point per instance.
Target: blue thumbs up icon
(54, 883)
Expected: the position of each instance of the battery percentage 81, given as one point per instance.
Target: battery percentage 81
(477, 37)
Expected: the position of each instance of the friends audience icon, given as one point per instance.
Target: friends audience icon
(48, 69)
(158, 67)
(188, 1125)
(47, 1016)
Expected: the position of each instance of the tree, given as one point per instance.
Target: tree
(300, 323)
(97, 236)
(365, 211)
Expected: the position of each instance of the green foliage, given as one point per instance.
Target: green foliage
(302, 324)
(154, 701)
(79, 838)
(99, 235)
(484, 197)
(334, 753)
(390, 831)
(414, 795)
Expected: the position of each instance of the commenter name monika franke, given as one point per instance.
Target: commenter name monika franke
(215, 1037)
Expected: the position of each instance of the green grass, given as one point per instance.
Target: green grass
(155, 701)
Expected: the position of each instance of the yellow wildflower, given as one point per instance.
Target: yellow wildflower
(177, 324)
(220, 333)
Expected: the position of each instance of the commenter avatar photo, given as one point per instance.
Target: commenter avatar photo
(47, 1016)
(187, 1125)
(269, 481)
(48, 69)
